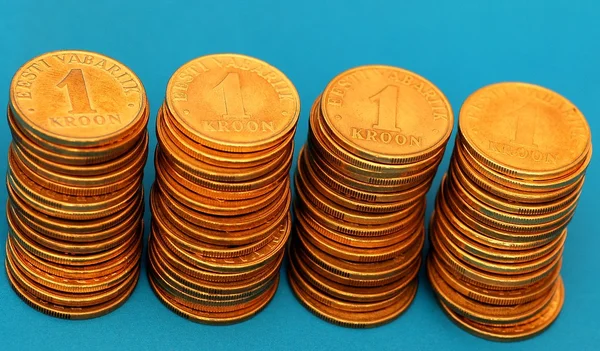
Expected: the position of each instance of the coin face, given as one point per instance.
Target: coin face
(233, 102)
(525, 130)
(77, 98)
(387, 114)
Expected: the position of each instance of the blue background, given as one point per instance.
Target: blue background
(458, 45)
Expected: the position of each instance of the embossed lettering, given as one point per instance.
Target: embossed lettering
(236, 126)
(522, 152)
(84, 120)
(386, 137)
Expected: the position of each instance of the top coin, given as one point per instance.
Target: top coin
(387, 114)
(233, 102)
(77, 98)
(525, 131)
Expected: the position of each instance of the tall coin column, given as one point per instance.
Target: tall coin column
(220, 203)
(502, 211)
(78, 121)
(376, 137)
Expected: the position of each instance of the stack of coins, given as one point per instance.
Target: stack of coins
(377, 135)
(501, 213)
(220, 203)
(78, 121)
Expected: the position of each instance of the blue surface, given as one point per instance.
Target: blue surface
(458, 47)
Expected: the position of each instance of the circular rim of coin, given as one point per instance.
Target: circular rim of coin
(71, 313)
(484, 279)
(211, 317)
(77, 230)
(380, 155)
(349, 319)
(525, 330)
(224, 145)
(492, 297)
(474, 136)
(25, 119)
(353, 293)
(484, 312)
(216, 157)
(325, 144)
(339, 304)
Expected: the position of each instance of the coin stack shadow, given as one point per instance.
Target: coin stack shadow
(220, 223)
(75, 218)
(497, 236)
(359, 230)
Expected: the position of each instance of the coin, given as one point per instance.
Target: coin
(524, 130)
(59, 96)
(403, 117)
(245, 103)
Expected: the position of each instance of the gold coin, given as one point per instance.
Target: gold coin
(76, 285)
(91, 154)
(525, 131)
(219, 223)
(482, 312)
(306, 172)
(192, 291)
(540, 185)
(72, 260)
(131, 254)
(232, 102)
(247, 262)
(77, 248)
(493, 297)
(62, 97)
(33, 172)
(208, 276)
(456, 175)
(356, 188)
(372, 271)
(524, 330)
(534, 239)
(353, 293)
(366, 242)
(488, 280)
(199, 247)
(101, 170)
(70, 312)
(352, 254)
(480, 247)
(328, 270)
(69, 206)
(217, 157)
(213, 317)
(348, 306)
(497, 228)
(59, 298)
(306, 191)
(480, 177)
(223, 284)
(216, 173)
(69, 230)
(354, 319)
(387, 114)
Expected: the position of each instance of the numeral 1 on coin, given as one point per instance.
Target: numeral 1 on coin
(525, 126)
(232, 96)
(77, 91)
(387, 108)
